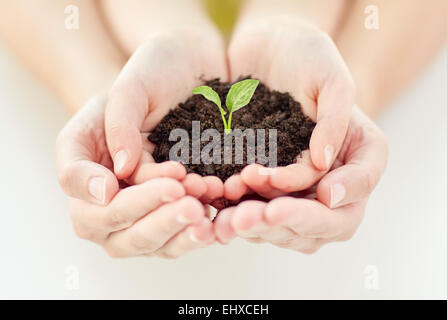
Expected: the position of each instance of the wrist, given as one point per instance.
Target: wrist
(323, 15)
(83, 85)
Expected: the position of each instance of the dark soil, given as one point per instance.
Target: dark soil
(266, 110)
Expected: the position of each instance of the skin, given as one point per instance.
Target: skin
(88, 171)
(410, 34)
(39, 37)
(293, 57)
(330, 211)
(154, 218)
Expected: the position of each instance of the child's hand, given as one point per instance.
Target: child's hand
(305, 224)
(153, 218)
(160, 74)
(303, 61)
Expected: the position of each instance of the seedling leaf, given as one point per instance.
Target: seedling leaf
(210, 95)
(240, 94)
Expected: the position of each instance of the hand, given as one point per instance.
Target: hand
(305, 224)
(160, 74)
(299, 59)
(153, 218)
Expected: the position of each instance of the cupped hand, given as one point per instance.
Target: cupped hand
(152, 218)
(159, 75)
(297, 58)
(331, 211)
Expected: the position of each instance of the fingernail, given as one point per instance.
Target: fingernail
(193, 238)
(97, 188)
(120, 160)
(165, 199)
(338, 193)
(328, 155)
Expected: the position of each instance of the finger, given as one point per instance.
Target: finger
(194, 185)
(277, 235)
(335, 103)
(191, 238)
(256, 177)
(88, 181)
(303, 245)
(312, 219)
(133, 203)
(234, 188)
(154, 230)
(150, 170)
(123, 127)
(214, 189)
(297, 176)
(248, 222)
(246, 215)
(94, 223)
(356, 179)
(78, 173)
(222, 226)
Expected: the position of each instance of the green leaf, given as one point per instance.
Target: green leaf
(240, 94)
(210, 95)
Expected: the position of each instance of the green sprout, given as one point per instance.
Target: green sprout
(238, 97)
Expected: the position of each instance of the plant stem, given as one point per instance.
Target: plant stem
(223, 119)
(229, 121)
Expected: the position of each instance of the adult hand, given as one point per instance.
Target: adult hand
(305, 224)
(159, 75)
(297, 58)
(152, 218)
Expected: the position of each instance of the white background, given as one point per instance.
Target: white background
(403, 235)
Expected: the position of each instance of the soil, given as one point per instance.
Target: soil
(266, 110)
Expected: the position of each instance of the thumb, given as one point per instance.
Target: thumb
(79, 174)
(334, 108)
(365, 163)
(125, 112)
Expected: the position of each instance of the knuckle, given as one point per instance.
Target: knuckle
(117, 220)
(167, 227)
(82, 232)
(114, 129)
(371, 179)
(65, 178)
(310, 250)
(142, 243)
(191, 204)
(167, 186)
(118, 89)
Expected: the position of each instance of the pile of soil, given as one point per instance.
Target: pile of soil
(266, 110)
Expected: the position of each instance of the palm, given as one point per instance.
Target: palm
(310, 219)
(161, 74)
(305, 63)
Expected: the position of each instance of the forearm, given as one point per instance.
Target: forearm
(75, 63)
(134, 21)
(326, 15)
(384, 61)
